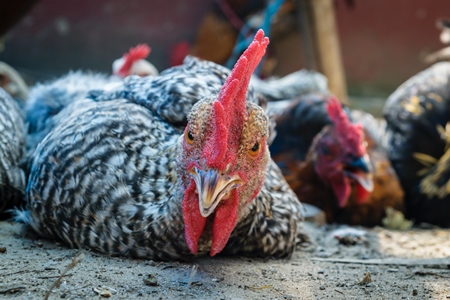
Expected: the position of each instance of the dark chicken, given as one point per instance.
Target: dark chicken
(418, 136)
(120, 175)
(334, 164)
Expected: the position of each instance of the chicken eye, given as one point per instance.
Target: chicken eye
(255, 149)
(189, 137)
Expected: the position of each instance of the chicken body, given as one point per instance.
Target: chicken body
(47, 99)
(12, 147)
(297, 148)
(417, 116)
(116, 173)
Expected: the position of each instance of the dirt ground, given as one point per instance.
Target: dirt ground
(383, 264)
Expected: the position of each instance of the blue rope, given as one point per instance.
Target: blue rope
(245, 36)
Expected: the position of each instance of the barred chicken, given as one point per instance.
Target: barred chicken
(119, 174)
(12, 147)
(418, 139)
(334, 164)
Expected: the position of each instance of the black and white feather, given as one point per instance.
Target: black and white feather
(47, 99)
(106, 176)
(12, 147)
(291, 86)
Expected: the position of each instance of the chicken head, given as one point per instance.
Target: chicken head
(224, 155)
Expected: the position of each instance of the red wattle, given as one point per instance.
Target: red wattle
(194, 223)
(361, 194)
(225, 220)
(341, 188)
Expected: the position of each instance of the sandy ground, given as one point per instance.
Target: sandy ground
(383, 264)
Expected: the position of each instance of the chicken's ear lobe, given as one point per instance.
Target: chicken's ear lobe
(141, 51)
(349, 134)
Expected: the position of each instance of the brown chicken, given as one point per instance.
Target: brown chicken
(334, 164)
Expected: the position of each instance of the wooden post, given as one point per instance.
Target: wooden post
(324, 44)
(304, 10)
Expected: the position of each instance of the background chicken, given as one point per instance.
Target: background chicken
(12, 146)
(444, 53)
(133, 63)
(417, 116)
(118, 174)
(333, 164)
(13, 83)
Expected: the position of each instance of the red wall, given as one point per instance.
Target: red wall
(383, 41)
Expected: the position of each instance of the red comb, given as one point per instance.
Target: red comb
(141, 51)
(349, 134)
(230, 110)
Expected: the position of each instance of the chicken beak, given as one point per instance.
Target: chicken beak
(362, 163)
(361, 172)
(212, 188)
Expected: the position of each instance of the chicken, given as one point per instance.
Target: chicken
(13, 83)
(133, 63)
(444, 53)
(12, 146)
(119, 174)
(417, 116)
(336, 165)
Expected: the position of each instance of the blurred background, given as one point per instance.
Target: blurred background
(374, 45)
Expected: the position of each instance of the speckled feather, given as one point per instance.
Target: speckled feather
(12, 147)
(107, 177)
(291, 86)
(47, 99)
(172, 94)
